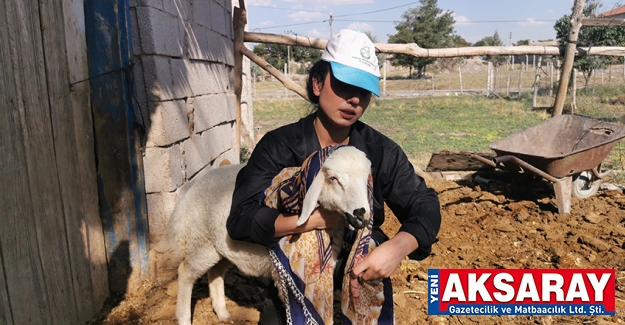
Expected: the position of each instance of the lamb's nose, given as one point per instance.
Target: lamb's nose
(360, 213)
(357, 219)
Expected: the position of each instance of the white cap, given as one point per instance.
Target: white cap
(352, 57)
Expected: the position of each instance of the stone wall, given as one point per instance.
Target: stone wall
(184, 98)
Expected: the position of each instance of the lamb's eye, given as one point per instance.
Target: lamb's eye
(333, 179)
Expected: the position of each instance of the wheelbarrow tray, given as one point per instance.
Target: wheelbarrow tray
(563, 145)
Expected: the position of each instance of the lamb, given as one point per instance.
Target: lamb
(198, 224)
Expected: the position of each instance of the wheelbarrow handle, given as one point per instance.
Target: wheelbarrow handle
(526, 166)
(484, 160)
(599, 175)
(495, 162)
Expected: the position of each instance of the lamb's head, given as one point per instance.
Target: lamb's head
(341, 185)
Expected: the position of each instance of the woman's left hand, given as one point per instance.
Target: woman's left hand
(385, 259)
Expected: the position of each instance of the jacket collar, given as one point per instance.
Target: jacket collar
(312, 142)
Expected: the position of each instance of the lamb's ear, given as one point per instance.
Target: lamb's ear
(310, 200)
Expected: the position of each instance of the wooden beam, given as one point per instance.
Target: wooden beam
(569, 56)
(416, 51)
(288, 83)
(610, 22)
(239, 20)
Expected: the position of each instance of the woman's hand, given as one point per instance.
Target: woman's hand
(319, 219)
(386, 258)
(324, 219)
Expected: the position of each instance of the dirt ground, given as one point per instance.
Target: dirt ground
(503, 223)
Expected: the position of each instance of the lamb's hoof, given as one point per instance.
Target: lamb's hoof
(224, 317)
(184, 322)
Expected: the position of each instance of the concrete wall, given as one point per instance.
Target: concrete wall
(185, 97)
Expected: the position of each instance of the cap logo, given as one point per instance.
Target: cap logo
(365, 53)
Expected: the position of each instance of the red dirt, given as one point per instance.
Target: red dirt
(506, 225)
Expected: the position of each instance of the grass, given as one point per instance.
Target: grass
(423, 125)
(430, 124)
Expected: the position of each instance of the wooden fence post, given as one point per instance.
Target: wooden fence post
(527, 61)
(508, 85)
(460, 75)
(537, 82)
(384, 80)
(520, 81)
(551, 78)
(574, 92)
(569, 56)
(239, 20)
(286, 91)
(288, 83)
(488, 79)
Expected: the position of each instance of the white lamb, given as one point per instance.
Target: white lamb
(198, 224)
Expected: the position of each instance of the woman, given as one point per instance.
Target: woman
(341, 85)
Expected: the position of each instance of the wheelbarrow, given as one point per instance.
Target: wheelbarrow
(566, 150)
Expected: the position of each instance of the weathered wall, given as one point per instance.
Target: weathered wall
(185, 96)
(52, 252)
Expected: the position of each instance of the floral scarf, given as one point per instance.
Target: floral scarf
(302, 261)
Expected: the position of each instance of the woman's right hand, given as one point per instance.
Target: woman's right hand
(320, 219)
(323, 219)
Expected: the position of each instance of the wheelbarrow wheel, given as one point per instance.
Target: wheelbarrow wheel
(585, 184)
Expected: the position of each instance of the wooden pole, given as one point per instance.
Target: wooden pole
(286, 91)
(569, 56)
(384, 80)
(508, 85)
(239, 21)
(536, 82)
(492, 78)
(499, 83)
(488, 76)
(520, 80)
(460, 75)
(288, 83)
(551, 78)
(417, 51)
(574, 92)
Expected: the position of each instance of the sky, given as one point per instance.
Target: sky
(475, 19)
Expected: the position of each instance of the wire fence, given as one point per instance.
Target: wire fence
(511, 81)
(523, 82)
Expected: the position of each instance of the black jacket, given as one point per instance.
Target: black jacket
(394, 181)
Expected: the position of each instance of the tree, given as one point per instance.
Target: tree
(451, 63)
(494, 40)
(427, 26)
(277, 55)
(590, 36)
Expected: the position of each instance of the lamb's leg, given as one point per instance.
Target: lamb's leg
(195, 264)
(216, 288)
(186, 279)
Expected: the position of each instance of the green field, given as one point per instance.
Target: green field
(423, 125)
